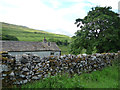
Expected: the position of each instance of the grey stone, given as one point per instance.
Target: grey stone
(22, 76)
(25, 69)
(1, 78)
(35, 77)
(17, 82)
(69, 63)
(39, 76)
(12, 74)
(5, 68)
(4, 75)
(25, 81)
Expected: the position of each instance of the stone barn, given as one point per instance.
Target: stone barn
(42, 49)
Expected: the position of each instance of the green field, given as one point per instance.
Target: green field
(106, 78)
(23, 33)
(28, 34)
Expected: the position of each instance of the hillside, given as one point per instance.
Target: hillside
(24, 33)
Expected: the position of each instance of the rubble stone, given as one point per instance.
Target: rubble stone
(32, 67)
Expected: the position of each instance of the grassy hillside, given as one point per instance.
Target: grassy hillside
(23, 33)
(27, 34)
(107, 78)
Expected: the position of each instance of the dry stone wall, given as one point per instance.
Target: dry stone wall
(32, 67)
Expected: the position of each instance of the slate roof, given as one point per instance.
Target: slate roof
(28, 46)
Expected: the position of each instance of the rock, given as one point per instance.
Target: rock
(95, 65)
(93, 57)
(30, 72)
(24, 59)
(65, 67)
(26, 73)
(25, 69)
(1, 78)
(12, 74)
(28, 64)
(84, 54)
(4, 75)
(39, 76)
(5, 68)
(25, 81)
(46, 75)
(17, 82)
(32, 67)
(22, 76)
(47, 65)
(15, 68)
(35, 67)
(35, 77)
(28, 76)
(33, 73)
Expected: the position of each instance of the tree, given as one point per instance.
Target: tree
(99, 32)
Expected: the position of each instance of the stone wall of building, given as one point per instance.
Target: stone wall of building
(32, 67)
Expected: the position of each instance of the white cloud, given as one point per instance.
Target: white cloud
(54, 3)
(112, 3)
(36, 14)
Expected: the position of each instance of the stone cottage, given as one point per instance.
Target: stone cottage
(42, 49)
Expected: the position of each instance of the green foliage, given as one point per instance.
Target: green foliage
(59, 42)
(107, 78)
(99, 32)
(64, 49)
(9, 37)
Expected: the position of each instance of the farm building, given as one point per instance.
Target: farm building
(18, 48)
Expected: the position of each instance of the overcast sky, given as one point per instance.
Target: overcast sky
(57, 16)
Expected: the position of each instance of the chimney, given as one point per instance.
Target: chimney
(48, 43)
(44, 40)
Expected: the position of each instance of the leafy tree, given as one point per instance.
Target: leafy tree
(66, 42)
(99, 32)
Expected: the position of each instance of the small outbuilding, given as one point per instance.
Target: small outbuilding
(42, 49)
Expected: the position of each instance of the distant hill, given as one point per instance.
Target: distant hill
(23, 33)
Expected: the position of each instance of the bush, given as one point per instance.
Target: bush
(9, 37)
